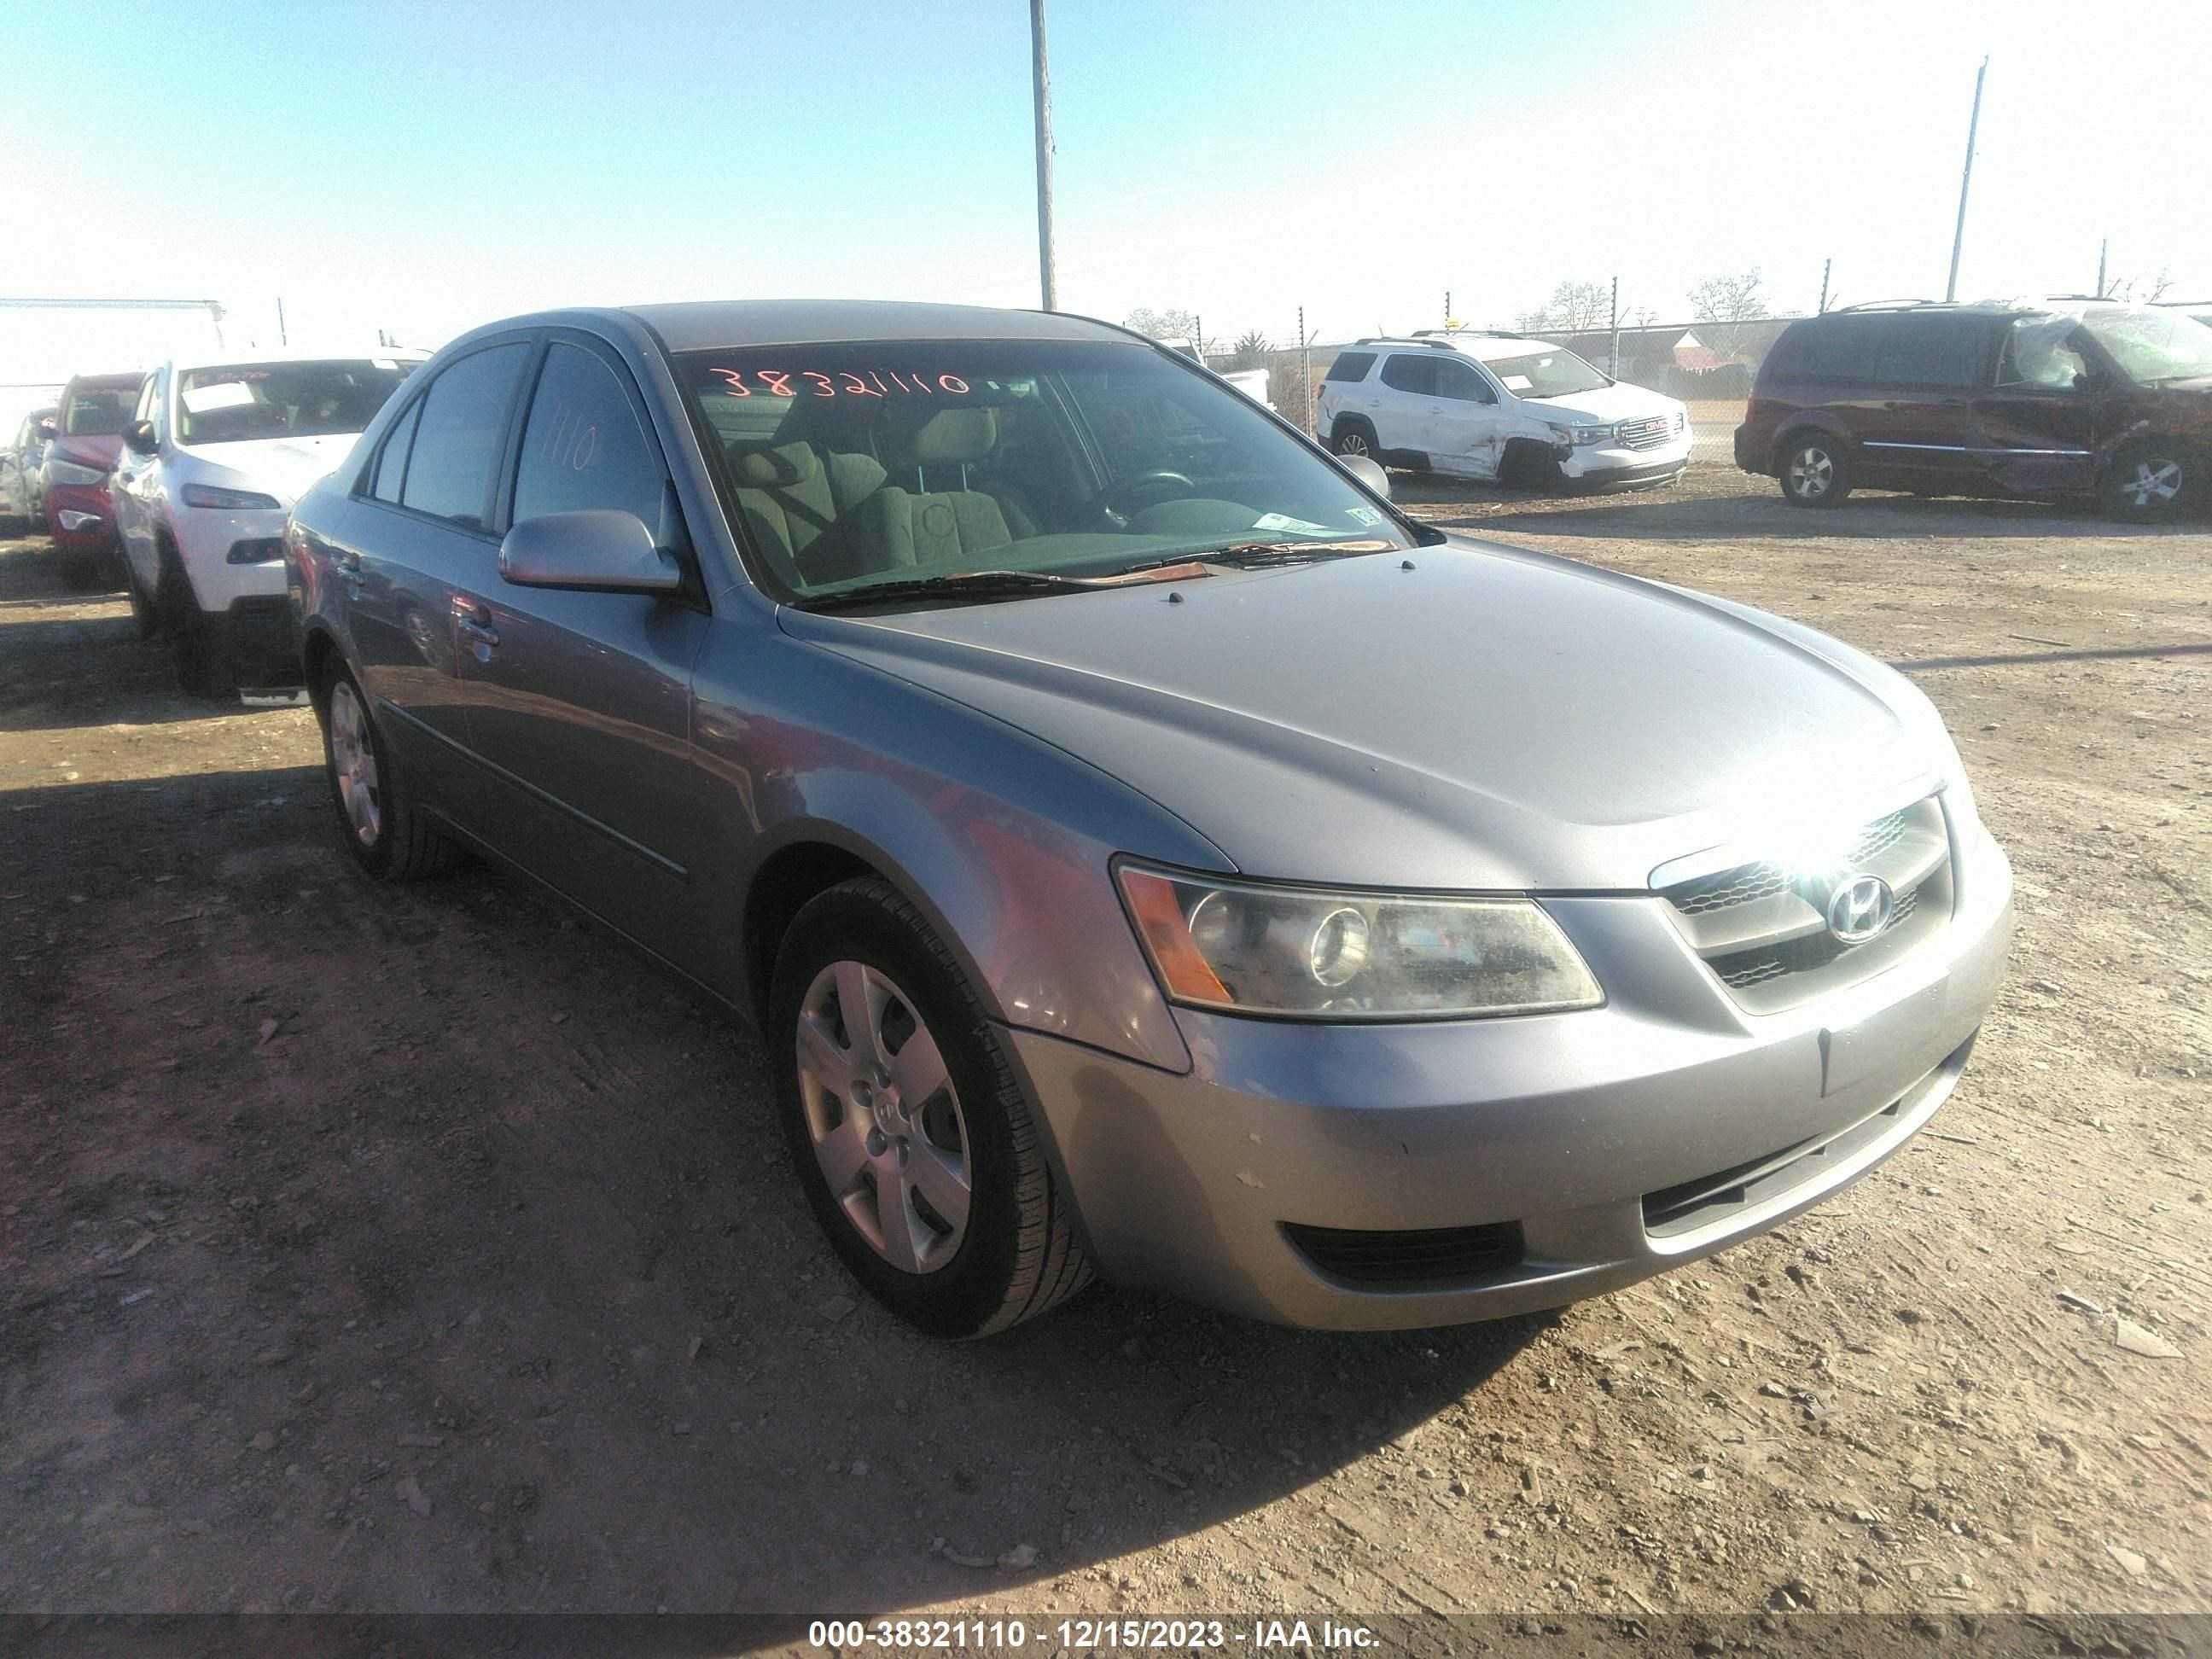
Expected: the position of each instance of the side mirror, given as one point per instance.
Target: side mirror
(1368, 471)
(48, 429)
(597, 552)
(140, 438)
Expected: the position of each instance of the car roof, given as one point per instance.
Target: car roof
(702, 324)
(354, 352)
(104, 382)
(1484, 347)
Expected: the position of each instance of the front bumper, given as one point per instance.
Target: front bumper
(1600, 464)
(80, 517)
(229, 557)
(1574, 1136)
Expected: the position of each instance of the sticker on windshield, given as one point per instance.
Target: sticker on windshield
(1366, 515)
(224, 394)
(1516, 382)
(1279, 521)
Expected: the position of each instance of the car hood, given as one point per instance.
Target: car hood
(1487, 719)
(1616, 401)
(282, 467)
(89, 449)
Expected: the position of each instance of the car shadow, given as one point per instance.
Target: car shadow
(492, 1216)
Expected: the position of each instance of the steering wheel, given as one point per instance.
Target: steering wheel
(1119, 502)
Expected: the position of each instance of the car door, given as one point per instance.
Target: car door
(1405, 396)
(1928, 369)
(1464, 424)
(417, 535)
(129, 493)
(2037, 425)
(579, 704)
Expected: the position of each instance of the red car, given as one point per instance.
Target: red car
(87, 436)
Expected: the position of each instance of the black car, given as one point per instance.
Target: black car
(2047, 399)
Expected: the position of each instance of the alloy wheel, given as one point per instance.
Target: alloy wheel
(353, 763)
(884, 1117)
(1812, 473)
(1351, 443)
(2153, 481)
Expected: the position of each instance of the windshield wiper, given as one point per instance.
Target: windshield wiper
(1246, 555)
(994, 584)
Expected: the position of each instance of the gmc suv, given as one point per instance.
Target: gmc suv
(2036, 398)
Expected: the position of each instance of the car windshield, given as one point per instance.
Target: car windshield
(854, 466)
(97, 414)
(243, 401)
(1545, 375)
(2154, 346)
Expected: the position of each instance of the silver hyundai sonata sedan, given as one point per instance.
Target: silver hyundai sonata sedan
(1143, 850)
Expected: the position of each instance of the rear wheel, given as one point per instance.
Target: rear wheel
(2148, 481)
(908, 1132)
(376, 814)
(1814, 472)
(1354, 438)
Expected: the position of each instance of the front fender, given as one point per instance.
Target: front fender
(1000, 839)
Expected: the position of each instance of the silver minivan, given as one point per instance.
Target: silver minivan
(1144, 851)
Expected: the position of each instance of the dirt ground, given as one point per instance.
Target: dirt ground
(422, 1249)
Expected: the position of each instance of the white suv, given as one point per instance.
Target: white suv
(1483, 406)
(215, 453)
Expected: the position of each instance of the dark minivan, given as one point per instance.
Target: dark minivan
(2068, 399)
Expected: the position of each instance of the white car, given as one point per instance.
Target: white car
(215, 453)
(1484, 406)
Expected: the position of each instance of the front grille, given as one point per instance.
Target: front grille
(1648, 433)
(1762, 926)
(1425, 1258)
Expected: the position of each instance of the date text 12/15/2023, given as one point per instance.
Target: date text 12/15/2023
(1067, 1635)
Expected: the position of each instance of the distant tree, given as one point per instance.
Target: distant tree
(2141, 290)
(1723, 303)
(1250, 350)
(1574, 308)
(1168, 324)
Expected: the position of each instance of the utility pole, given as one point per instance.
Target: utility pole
(283, 338)
(1825, 265)
(1612, 348)
(1198, 338)
(1044, 155)
(2104, 246)
(1447, 307)
(1305, 375)
(1966, 177)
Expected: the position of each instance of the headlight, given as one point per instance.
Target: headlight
(1681, 419)
(69, 472)
(1318, 955)
(237, 501)
(1580, 437)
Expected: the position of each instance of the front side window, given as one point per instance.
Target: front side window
(96, 414)
(240, 402)
(1463, 383)
(1556, 374)
(461, 434)
(582, 447)
(2154, 348)
(854, 466)
(2039, 354)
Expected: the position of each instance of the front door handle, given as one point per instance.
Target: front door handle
(475, 621)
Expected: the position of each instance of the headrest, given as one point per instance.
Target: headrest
(782, 465)
(946, 436)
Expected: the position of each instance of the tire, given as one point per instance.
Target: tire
(2149, 481)
(376, 815)
(1529, 465)
(145, 615)
(203, 670)
(1814, 469)
(1013, 1253)
(1351, 437)
(84, 573)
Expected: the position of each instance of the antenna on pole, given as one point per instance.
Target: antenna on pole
(283, 338)
(1043, 88)
(1825, 266)
(2104, 244)
(1966, 177)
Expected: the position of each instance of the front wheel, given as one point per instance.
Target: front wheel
(1814, 472)
(2148, 482)
(908, 1132)
(377, 817)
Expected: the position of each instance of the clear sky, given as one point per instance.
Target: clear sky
(421, 167)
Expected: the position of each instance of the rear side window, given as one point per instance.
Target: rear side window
(392, 462)
(1411, 373)
(1933, 352)
(583, 447)
(1841, 348)
(459, 434)
(1351, 366)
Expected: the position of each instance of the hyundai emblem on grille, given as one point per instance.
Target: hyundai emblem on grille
(1860, 908)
